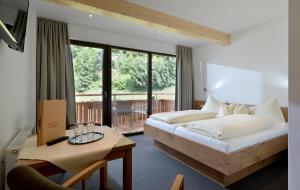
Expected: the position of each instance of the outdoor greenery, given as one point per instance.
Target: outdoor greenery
(87, 68)
(163, 72)
(129, 70)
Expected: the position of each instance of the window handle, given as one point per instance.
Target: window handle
(105, 94)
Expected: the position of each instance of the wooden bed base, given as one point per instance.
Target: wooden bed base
(221, 167)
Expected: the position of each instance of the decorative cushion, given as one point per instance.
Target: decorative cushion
(252, 110)
(270, 109)
(241, 109)
(224, 109)
(231, 107)
(211, 105)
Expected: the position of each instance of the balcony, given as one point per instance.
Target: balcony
(128, 111)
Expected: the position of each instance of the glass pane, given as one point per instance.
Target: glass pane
(129, 90)
(88, 83)
(163, 83)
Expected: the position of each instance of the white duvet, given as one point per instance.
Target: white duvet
(230, 126)
(183, 116)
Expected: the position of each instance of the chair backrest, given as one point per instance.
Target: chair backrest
(25, 177)
(178, 183)
(123, 106)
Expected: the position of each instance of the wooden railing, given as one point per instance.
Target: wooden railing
(89, 111)
(92, 110)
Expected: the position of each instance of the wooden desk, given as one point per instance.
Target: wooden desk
(123, 149)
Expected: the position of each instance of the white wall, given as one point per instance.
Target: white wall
(17, 88)
(82, 33)
(294, 95)
(255, 65)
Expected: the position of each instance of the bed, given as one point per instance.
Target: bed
(224, 161)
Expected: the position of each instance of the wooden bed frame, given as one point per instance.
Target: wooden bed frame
(223, 168)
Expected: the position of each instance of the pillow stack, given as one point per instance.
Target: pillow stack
(232, 109)
(241, 109)
(269, 109)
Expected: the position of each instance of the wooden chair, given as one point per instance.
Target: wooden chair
(178, 183)
(25, 177)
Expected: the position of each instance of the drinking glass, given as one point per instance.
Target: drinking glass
(84, 129)
(78, 132)
(90, 129)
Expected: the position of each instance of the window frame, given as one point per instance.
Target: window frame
(106, 80)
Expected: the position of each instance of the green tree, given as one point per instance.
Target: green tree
(138, 77)
(163, 72)
(129, 70)
(87, 66)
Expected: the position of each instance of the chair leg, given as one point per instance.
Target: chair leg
(131, 118)
(116, 119)
(83, 184)
(103, 178)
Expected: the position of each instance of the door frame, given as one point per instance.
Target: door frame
(106, 76)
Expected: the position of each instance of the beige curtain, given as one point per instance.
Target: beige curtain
(55, 77)
(184, 87)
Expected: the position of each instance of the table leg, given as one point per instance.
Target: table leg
(127, 170)
(103, 178)
(83, 184)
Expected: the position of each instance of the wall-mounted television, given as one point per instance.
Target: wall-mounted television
(13, 22)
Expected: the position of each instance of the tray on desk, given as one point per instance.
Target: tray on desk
(86, 138)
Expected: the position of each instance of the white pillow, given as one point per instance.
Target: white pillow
(252, 110)
(211, 105)
(241, 109)
(270, 109)
(224, 109)
(231, 107)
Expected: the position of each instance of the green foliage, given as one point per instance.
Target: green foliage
(129, 70)
(163, 72)
(87, 67)
(138, 77)
(120, 81)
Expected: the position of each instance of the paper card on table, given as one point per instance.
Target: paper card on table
(51, 123)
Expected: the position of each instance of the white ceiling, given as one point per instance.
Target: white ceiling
(225, 15)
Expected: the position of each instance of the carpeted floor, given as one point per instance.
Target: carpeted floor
(154, 170)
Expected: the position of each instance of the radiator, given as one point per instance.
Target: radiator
(12, 151)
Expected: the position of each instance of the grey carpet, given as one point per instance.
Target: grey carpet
(154, 170)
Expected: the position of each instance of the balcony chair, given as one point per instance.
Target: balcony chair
(123, 109)
(25, 177)
(178, 183)
(142, 109)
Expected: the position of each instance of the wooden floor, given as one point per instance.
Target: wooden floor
(125, 128)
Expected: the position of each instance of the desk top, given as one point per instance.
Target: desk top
(123, 144)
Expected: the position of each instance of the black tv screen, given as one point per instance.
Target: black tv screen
(13, 22)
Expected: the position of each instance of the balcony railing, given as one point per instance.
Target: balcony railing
(91, 110)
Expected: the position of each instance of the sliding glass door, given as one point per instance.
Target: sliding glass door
(88, 68)
(129, 79)
(163, 83)
(121, 87)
